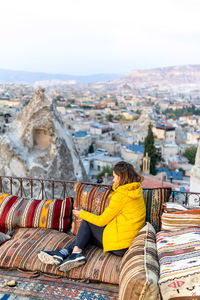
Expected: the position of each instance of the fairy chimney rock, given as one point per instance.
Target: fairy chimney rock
(38, 145)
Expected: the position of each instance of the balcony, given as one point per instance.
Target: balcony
(52, 189)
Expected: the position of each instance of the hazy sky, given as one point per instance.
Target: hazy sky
(98, 36)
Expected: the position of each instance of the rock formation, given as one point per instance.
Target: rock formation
(195, 179)
(38, 145)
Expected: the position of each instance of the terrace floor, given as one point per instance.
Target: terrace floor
(31, 286)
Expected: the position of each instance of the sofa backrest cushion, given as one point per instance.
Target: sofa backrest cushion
(139, 270)
(154, 199)
(21, 253)
(182, 219)
(21, 212)
(90, 198)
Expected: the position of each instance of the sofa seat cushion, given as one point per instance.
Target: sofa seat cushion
(179, 258)
(154, 200)
(90, 198)
(139, 268)
(21, 253)
(16, 211)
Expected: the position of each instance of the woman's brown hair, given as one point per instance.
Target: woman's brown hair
(127, 173)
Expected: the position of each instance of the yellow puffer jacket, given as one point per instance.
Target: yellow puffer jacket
(123, 218)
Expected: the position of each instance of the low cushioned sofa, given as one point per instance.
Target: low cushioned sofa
(49, 224)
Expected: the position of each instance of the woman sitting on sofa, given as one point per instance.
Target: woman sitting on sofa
(113, 230)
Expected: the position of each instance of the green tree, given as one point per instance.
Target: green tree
(157, 107)
(91, 148)
(190, 154)
(151, 149)
(109, 117)
(107, 170)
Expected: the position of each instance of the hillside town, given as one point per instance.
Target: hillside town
(109, 121)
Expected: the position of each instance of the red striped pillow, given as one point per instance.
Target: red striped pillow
(20, 212)
(90, 198)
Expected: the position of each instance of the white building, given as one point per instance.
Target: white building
(82, 141)
(193, 138)
(105, 132)
(94, 163)
(169, 151)
(164, 133)
(124, 139)
(113, 147)
(133, 154)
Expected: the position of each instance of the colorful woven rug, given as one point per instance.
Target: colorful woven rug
(42, 287)
(14, 297)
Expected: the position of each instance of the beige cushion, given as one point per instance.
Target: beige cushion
(139, 268)
(179, 259)
(181, 219)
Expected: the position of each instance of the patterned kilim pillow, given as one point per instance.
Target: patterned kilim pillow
(179, 220)
(21, 252)
(154, 199)
(139, 268)
(90, 198)
(179, 258)
(20, 212)
(4, 237)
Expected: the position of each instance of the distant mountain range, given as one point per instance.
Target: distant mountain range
(187, 74)
(160, 76)
(11, 76)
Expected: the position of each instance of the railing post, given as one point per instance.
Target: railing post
(52, 185)
(1, 191)
(21, 187)
(186, 198)
(172, 196)
(31, 183)
(42, 184)
(11, 185)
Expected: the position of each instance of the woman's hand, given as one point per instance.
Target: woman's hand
(76, 212)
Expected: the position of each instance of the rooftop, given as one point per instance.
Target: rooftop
(80, 134)
(151, 182)
(135, 148)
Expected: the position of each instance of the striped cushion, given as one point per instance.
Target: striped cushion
(4, 237)
(139, 268)
(174, 207)
(182, 219)
(21, 252)
(179, 258)
(90, 198)
(20, 212)
(154, 199)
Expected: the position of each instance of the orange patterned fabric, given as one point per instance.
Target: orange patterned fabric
(20, 212)
(90, 198)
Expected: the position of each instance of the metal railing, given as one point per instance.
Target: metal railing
(39, 188)
(186, 198)
(53, 189)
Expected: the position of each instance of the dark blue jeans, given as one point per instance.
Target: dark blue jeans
(90, 234)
